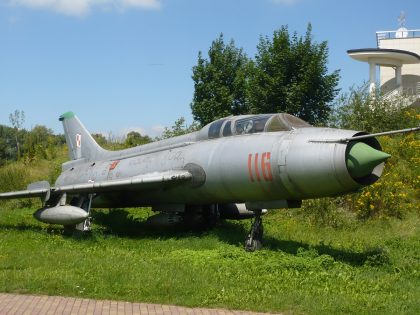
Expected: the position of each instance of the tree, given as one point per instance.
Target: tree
(290, 75)
(36, 142)
(100, 139)
(134, 139)
(8, 149)
(17, 119)
(179, 128)
(219, 82)
(111, 142)
(359, 110)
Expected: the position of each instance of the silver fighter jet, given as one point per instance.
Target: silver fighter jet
(236, 167)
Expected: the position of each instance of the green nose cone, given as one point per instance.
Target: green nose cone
(362, 159)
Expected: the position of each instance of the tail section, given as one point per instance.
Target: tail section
(79, 141)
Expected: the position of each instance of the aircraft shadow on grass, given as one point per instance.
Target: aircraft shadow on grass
(121, 223)
(21, 227)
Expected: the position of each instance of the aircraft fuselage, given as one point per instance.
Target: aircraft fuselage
(252, 167)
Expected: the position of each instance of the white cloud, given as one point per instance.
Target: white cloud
(83, 7)
(151, 4)
(284, 2)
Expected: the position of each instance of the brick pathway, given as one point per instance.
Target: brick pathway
(13, 304)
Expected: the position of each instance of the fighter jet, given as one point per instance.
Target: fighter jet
(235, 167)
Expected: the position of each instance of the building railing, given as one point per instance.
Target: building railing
(411, 91)
(397, 34)
(410, 95)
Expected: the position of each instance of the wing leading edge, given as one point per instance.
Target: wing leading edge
(133, 183)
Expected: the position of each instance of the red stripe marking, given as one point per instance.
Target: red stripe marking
(113, 165)
(268, 167)
(251, 178)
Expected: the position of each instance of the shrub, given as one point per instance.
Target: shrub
(358, 110)
(13, 177)
(327, 212)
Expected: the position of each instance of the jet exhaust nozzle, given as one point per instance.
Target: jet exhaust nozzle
(361, 159)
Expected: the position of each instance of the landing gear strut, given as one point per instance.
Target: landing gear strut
(253, 241)
(85, 226)
(84, 202)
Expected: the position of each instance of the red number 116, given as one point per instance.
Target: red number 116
(258, 166)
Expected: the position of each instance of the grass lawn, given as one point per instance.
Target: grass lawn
(370, 268)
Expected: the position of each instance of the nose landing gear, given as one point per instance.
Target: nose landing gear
(253, 241)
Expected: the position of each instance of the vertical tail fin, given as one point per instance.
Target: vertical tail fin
(79, 141)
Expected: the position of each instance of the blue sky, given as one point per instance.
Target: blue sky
(124, 65)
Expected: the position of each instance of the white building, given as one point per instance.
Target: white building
(401, 39)
(398, 57)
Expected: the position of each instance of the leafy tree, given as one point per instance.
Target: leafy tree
(17, 118)
(179, 128)
(290, 75)
(37, 141)
(359, 110)
(134, 138)
(8, 149)
(3, 150)
(219, 82)
(100, 139)
(111, 142)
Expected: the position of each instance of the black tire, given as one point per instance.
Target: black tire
(252, 246)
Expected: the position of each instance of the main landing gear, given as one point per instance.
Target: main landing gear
(84, 202)
(253, 241)
(85, 226)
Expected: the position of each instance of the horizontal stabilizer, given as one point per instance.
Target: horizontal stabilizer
(25, 193)
(37, 189)
(39, 185)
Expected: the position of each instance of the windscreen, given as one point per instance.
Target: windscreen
(251, 124)
(214, 130)
(285, 122)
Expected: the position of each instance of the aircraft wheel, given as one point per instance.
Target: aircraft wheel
(252, 245)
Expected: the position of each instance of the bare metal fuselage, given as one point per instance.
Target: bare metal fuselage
(244, 168)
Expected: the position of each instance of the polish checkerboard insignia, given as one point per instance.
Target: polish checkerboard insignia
(78, 140)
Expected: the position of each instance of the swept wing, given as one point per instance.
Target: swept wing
(156, 179)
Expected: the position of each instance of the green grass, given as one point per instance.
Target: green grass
(368, 268)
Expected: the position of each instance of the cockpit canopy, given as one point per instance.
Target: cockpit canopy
(247, 124)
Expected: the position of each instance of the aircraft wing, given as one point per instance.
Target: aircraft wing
(132, 183)
(156, 179)
(24, 193)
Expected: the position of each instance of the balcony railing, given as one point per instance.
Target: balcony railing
(397, 34)
(410, 95)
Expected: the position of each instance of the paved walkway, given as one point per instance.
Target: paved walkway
(13, 304)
